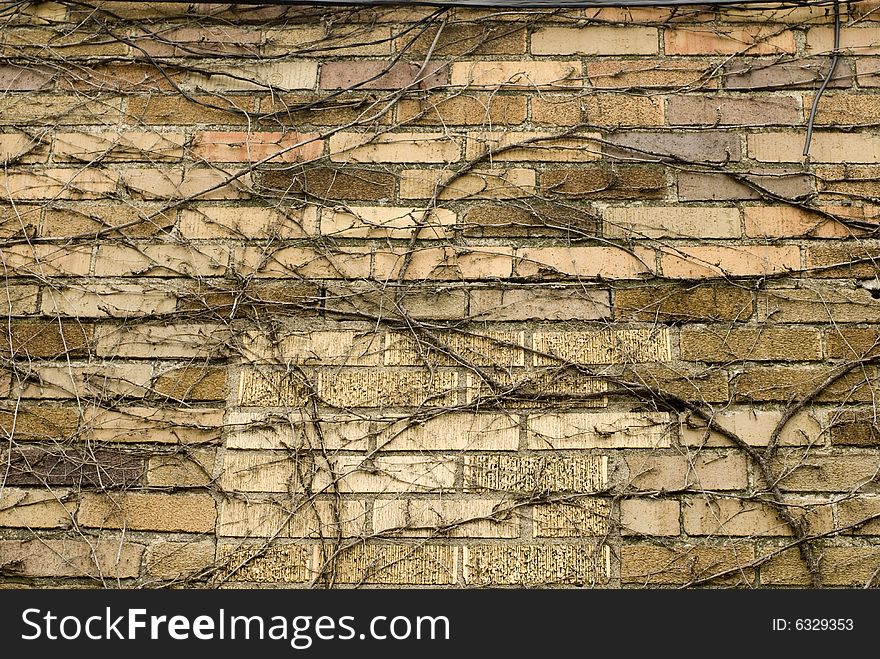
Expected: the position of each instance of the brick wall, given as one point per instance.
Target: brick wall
(405, 296)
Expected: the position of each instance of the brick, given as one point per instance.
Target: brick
(753, 74)
(681, 564)
(315, 348)
(532, 146)
(444, 263)
(785, 383)
(42, 557)
(536, 565)
(42, 260)
(537, 390)
(320, 109)
(304, 262)
(868, 72)
(847, 109)
(19, 300)
(753, 426)
(224, 146)
(106, 468)
(852, 342)
(820, 303)
(649, 74)
(680, 381)
(856, 427)
(735, 517)
(753, 40)
(179, 560)
(15, 78)
(838, 566)
(502, 183)
(547, 303)
(557, 110)
(183, 184)
(599, 430)
(91, 220)
(856, 39)
(471, 518)
(264, 388)
(193, 513)
(604, 347)
(194, 109)
(527, 219)
(56, 183)
(47, 339)
(584, 517)
(59, 380)
(142, 424)
(824, 147)
(606, 182)
(262, 564)
(172, 340)
(615, 110)
(371, 74)
(275, 431)
(247, 222)
(389, 389)
(271, 74)
(654, 517)
(455, 431)
(419, 565)
(717, 261)
(672, 221)
(860, 515)
(387, 222)
(166, 260)
(516, 74)
(36, 508)
(782, 184)
(803, 470)
(790, 222)
(696, 146)
(461, 110)
(716, 111)
(328, 40)
(70, 42)
(521, 474)
(786, 568)
(192, 383)
(330, 183)
(724, 344)
(393, 147)
(118, 146)
(837, 181)
(192, 468)
(489, 348)
(701, 470)
(18, 148)
(201, 41)
(315, 519)
(595, 40)
(39, 422)
(481, 38)
(118, 301)
(583, 262)
(842, 259)
(674, 303)
(59, 110)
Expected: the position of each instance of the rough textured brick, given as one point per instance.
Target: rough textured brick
(530, 565)
(527, 219)
(58, 110)
(697, 471)
(819, 303)
(854, 428)
(196, 109)
(194, 513)
(608, 347)
(330, 183)
(649, 565)
(604, 182)
(584, 517)
(36, 508)
(47, 339)
(868, 72)
(389, 389)
(784, 383)
(595, 41)
(39, 422)
(260, 564)
(648, 73)
(192, 468)
(649, 517)
(503, 473)
(449, 349)
(723, 344)
(192, 383)
(16, 78)
(179, 560)
(808, 471)
(755, 40)
(473, 109)
(674, 303)
(860, 515)
(842, 259)
(506, 183)
(420, 564)
(482, 38)
(107, 468)
(847, 109)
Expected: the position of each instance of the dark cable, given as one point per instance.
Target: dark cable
(836, 53)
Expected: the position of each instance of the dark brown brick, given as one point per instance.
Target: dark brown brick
(749, 73)
(855, 428)
(370, 74)
(699, 186)
(74, 466)
(539, 219)
(725, 344)
(716, 111)
(46, 339)
(192, 383)
(606, 182)
(326, 182)
(675, 303)
(697, 146)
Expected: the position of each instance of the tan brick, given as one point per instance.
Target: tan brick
(195, 109)
(842, 259)
(868, 72)
(59, 380)
(557, 110)
(265, 388)
(785, 569)
(461, 110)
(389, 388)
(549, 303)
(224, 146)
(16, 78)
(712, 261)
(194, 513)
(698, 470)
(247, 222)
(43, 557)
(714, 111)
(479, 38)
(46, 339)
(179, 560)
(261, 564)
(736, 517)
(789, 222)
(314, 348)
(172, 340)
(64, 43)
(59, 110)
(117, 301)
(648, 565)
(165, 260)
(853, 427)
(506, 183)
(36, 508)
(18, 147)
(535, 146)
(725, 344)
(595, 40)
(617, 110)
(470, 518)
(91, 220)
(606, 182)
(55, 183)
(190, 468)
(371, 74)
(674, 222)
(420, 565)
(536, 565)
(42, 260)
(393, 147)
(455, 431)
(295, 430)
(143, 424)
(444, 263)
(576, 519)
(824, 147)
(516, 74)
(271, 74)
(39, 422)
(846, 109)
(782, 383)
(671, 303)
(856, 39)
(19, 300)
(118, 146)
(349, 262)
(584, 262)
(329, 40)
(450, 348)
(753, 40)
(819, 303)
(208, 40)
(753, 426)
(592, 430)
(748, 73)
(604, 347)
(386, 222)
(192, 383)
(295, 519)
(654, 517)
(183, 184)
(852, 342)
(509, 473)
(649, 73)
(804, 470)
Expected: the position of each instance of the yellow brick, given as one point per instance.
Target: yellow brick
(43, 557)
(541, 147)
(118, 146)
(508, 473)
(46, 260)
(145, 424)
(260, 564)
(535, 389)
(203, 183)
(605, 347)
(317, 348)
(470, 518)
(507, 183)
(295, 430)
(271, 388)
(59, 110)
(589, 430)
(653, 517)
(484, 349)
(36, 508)
(118, 301)
(393, 147)
(575, 519)
(179, 560)
(291, 519)
(673, 222)
(701, 470)
(195, 513)
(388, 388)
(516, 74)
(456, 431)
(174, 340)
(855, 39)
(395, 565)
(735, 517)
(595, 41)
(536, 565)
(386, 222)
